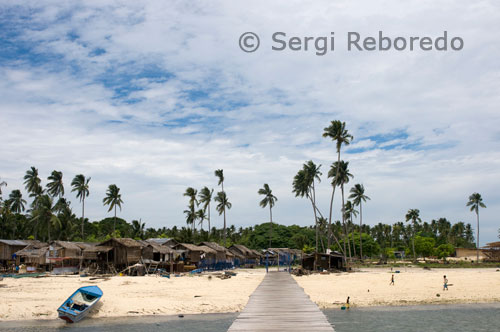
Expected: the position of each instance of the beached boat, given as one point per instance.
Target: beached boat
(79, 304)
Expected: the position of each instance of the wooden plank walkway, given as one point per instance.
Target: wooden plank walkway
(280, 304)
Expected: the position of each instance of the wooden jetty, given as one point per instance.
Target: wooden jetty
(280, 304)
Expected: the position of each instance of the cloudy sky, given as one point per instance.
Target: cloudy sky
(155, 96)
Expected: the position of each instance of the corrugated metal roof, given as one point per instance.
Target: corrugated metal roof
(14, 242)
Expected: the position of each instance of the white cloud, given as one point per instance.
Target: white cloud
(259, 116)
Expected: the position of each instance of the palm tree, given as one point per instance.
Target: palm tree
(304, 185)
(350, 211)
(475, 202)
(269, 199)
(358, 196)
(55, 187)
(224, 204)
(191, 193)
(190, 218)
(138, 229)
(16, 201)
(201, 215)
(44, 213)
(81, 185)
(32, 184)
(2, 184)
(342, 175)
(337, 132)
(413, 215)
(205, 197)
(113, 199)
(219, 173)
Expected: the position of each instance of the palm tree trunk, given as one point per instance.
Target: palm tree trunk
(352, 232)
(209, 219)
(315, 217)
(270, 225)
(114, 224)
(83, 215)
(343, 223)
(330, 218)
(477, 240)
(360, 230)
(413, 243)
(224, 211)
(48, 230)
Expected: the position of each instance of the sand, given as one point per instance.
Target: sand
(39, 298)
(370, 287)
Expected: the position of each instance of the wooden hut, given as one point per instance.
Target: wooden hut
(224, 259)
(250, 257)
(491, 251)
(319, 261)
(200, 256)
(33, 256)
(64, 257)
(124, 252)
(8, 248)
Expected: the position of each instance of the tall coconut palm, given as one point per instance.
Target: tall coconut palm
(32, 184)
(224, 204)
(475, 202)
(113, 199)
(16, 201)
(304, 185)
(81, 185)
(201, 216)
(55, 186)
(44, 214)
(339, 134)
(191, 193)
(342, 175)
(350, 212)
(269, 199)
(358, 196)
(2, 184)
(413, 215)
(205, 197)
(220, 175)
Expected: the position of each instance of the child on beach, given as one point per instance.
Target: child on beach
(347, 303)
(392, 280)
(445, 284)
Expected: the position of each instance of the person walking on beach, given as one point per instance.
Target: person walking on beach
(445, 283)
(392, 280)
(347, 303)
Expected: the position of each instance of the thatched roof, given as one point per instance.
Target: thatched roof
(97, 249)
(192, 247)
(156, 247)
(163, 241)
(214, 245)
(16, 243)
(242, 249)
(66, 245)
(32, 251)
(126, 242)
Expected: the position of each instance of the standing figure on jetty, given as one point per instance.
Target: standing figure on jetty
(445, 283)
(392, 280)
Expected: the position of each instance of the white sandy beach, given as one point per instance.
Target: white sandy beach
(39, 298)
(370, 287)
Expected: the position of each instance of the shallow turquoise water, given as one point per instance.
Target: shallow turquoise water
(445, 318)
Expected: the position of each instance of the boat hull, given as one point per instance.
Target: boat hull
(79, 304)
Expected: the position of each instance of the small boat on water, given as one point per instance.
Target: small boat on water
(79, 304)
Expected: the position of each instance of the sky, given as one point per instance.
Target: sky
(154, 96)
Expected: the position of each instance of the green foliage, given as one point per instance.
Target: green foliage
(424, 246)
(444, 250)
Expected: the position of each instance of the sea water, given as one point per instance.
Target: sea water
(442, 318)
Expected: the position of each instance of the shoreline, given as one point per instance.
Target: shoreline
(37, 299)
(117, 320)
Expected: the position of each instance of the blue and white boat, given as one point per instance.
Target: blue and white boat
(79, 304)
